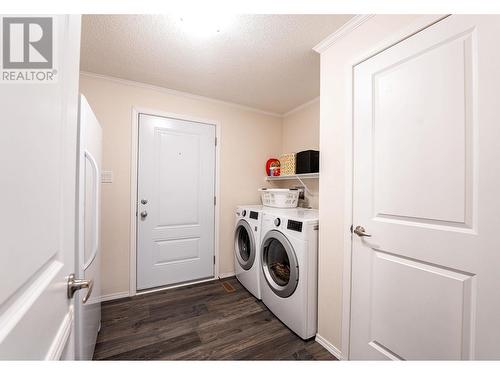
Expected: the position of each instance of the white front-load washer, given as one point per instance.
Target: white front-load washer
(247, 247)
(289, 271)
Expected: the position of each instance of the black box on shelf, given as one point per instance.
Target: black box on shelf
(307, 162)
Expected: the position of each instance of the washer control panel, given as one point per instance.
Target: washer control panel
(294, 225)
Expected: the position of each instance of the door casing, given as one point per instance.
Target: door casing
(420, 24)
(136, 111)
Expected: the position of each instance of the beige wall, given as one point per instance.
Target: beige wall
(301, 128)
(301, 132)
(248, 139)
(335, 120)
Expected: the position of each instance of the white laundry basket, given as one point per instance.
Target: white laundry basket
(280, 198)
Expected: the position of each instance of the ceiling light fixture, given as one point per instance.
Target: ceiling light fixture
(205, 25)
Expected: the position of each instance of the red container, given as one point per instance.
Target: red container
(274, 164)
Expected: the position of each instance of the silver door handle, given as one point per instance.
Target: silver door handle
(360, 231)
(144, 214)
(77, 284)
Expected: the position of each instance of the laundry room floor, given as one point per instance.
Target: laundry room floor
(204, 321)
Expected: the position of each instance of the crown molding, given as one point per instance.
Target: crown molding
(178, 93)
(348, 27)
(302, 106)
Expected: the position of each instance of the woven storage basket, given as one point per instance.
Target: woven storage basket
(287, 164)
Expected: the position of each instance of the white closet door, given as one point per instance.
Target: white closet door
(176, 185)
(426, 182)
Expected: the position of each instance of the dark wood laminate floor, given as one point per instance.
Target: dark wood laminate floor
(198, 322)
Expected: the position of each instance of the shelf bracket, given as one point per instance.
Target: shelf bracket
(304, 185)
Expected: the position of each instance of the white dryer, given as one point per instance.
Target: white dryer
(247, 247)
(289, 271)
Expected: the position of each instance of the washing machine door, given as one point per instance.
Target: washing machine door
(244, 245)
(279, 264)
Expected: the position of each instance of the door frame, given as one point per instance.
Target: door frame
(415, 27)
(134, 167)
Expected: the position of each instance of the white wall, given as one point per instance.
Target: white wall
(335, 120)
(248, 139)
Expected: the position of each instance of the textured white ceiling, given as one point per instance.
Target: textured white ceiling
(261, 61)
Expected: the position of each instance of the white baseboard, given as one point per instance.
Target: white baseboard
(330, 347)
(226, 275)
(112, 296)
(161, 288)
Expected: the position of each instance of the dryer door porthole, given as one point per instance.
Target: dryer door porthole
(279, 264)
(244, 245)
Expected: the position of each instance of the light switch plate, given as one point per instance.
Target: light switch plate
(106, 177)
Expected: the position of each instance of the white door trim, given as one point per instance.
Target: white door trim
(133, 188)
(62, 337)
(415, 27)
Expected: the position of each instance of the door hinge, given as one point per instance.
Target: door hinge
(215, 201)
(215, 141)
(352, 228)
(214, 259)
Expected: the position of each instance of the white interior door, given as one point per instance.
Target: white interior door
(175, 201)
(38, 155)
(426, 182)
